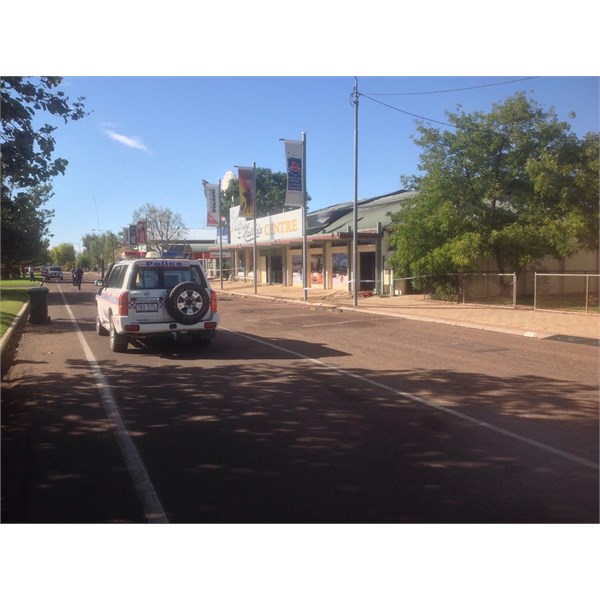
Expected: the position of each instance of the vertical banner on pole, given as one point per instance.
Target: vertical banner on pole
(294, 158)
(142, 237)
(211, 193)
(247, 191)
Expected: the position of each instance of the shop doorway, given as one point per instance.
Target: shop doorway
(367, 272)
(275, 270)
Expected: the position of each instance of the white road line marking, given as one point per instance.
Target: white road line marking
(521, 438)
(153, 510)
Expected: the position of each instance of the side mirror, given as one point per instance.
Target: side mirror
(99, 282)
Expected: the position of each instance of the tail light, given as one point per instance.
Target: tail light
(124, 304)
(213, 301)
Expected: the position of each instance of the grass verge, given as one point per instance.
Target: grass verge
(13, 294)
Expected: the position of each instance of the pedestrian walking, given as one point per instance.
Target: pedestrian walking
(77, 273)
(31, 272)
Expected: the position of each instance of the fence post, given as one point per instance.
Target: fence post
(587, 292)
(535, 290)
(514, 290)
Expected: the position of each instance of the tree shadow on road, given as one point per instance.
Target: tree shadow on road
(232, 440)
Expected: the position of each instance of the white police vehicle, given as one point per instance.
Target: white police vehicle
(153, 297)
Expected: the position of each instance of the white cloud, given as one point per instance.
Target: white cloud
(131, 142)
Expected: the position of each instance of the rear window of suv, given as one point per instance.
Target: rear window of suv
(148, 278)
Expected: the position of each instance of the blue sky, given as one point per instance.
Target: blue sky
(154, 139)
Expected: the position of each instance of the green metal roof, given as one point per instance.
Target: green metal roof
(339, 218)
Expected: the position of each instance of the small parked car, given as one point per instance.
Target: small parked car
(155, 297)
(54, 272)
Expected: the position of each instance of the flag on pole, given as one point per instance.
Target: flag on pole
(247, 192)
(294, 157)
(211, 192)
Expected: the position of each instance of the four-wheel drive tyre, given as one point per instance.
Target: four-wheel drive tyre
(188, 302)
(118, 342)
(100, 329)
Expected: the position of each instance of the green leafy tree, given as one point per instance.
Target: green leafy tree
(513, 185)
(25, 228)
(27, 161)
(63, 255)
(99, 250)
(270, 193)
(163, 226)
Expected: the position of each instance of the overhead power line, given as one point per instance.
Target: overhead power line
(462, 89)
(406, 112)
(473, 87)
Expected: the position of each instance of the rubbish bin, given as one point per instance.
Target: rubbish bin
(38, 305)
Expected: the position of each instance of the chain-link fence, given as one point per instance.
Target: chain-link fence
(498, 289)
(567, 291)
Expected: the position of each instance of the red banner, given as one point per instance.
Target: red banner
(247, 192)
(142, 238)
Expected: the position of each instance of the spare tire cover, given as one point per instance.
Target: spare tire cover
(188, 302)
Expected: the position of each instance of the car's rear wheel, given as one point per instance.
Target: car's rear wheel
(118, 342)
(188, 303)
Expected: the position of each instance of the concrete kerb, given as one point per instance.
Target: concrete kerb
(8, 334)
(453, 323)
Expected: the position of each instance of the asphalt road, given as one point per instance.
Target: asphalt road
(298, 415)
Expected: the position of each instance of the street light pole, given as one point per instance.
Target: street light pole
(220, 233)
(355, 219)
(255, 208)
(305, 258)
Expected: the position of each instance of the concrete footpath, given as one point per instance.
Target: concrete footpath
(522, 320)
